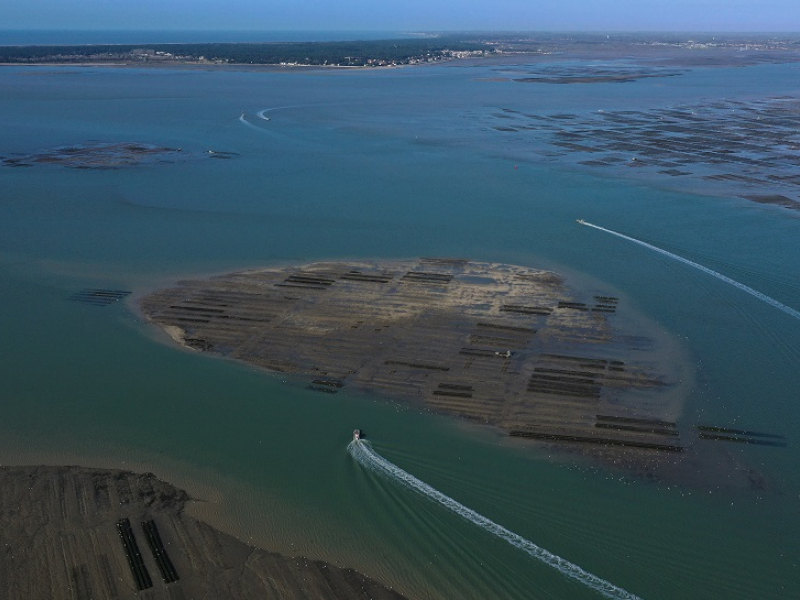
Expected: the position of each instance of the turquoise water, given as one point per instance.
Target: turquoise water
(396, 163)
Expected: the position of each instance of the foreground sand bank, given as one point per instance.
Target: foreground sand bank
(61, 539)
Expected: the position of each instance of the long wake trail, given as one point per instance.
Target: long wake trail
(247, 123)
(763, 297)
(368, 458)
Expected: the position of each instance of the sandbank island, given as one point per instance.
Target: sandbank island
(515, 348)
(509, 346)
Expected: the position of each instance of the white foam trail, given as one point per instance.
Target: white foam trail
(248, 123)
(367, 457)
(763, 297)
(262, 113)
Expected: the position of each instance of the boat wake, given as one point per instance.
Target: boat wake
(262, 114)
(247, 123)
(763, 297)
(363, 453)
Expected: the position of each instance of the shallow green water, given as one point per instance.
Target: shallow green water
(387, 164)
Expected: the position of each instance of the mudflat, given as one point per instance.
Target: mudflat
(75, 533)
(509, 346)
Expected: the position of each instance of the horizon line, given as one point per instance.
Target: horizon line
(406, 32)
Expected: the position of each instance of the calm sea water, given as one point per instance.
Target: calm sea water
(22, 37)
(396, 163)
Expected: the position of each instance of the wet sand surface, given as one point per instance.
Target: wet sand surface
(96, 155)
(75, 533)
(110, 155)
(508, 346)
(746, 148)
(569, 370)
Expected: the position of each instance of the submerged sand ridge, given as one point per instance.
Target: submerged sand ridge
(742, 148)
(73, 533)
(509, 346)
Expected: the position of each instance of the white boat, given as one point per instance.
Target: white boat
(357, 435)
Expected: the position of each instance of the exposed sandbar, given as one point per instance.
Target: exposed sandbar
(508, 346)
(109, 155)
(61, 540)
(726, 147)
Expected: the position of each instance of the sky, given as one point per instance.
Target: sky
(404, 15)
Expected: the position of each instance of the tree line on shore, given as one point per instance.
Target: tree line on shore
(356, 53)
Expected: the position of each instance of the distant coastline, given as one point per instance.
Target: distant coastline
(409, 49)
(364, 53)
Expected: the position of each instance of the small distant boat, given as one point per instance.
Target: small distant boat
(581, 221)
(357, 434)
